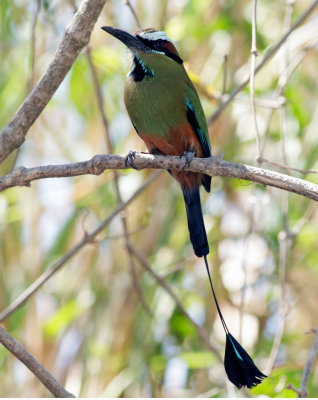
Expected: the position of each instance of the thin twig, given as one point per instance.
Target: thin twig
(212, 166)
(296, 61)
(88, 238)
(283, 254)
(225, 64)
(161, 282)
(33, 365)
(101, 107)
(267, 57)
(309, 364)
(284, 237)
(130, 233)
(287, 167)
(133, 11)
(287, 72)
(33, 46)
(262, 103)
(303, 391)
(252, 76)
(303, 221)
(30, 81)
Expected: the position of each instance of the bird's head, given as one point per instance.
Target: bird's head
(146, 44)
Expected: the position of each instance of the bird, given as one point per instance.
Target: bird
(166, 112)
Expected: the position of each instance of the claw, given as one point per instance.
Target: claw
(189, 156)
(129, 161)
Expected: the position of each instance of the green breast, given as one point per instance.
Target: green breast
(157, 104)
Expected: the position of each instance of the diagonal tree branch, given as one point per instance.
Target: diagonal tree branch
(88, 238)
(161, 282)
(32, 364)
(76, 36)
(213, 166)
(267, 57)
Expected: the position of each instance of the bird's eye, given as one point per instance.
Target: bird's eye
(159, 45)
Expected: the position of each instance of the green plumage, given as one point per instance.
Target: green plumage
(162, 98)
(165, 109)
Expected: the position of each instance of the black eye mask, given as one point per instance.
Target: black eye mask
(159, 45)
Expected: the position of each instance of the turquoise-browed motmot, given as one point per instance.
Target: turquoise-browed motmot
(166, 112)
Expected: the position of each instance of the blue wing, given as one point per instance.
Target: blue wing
(203, 137)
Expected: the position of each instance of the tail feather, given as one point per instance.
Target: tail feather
(239, 366)
(195, 221)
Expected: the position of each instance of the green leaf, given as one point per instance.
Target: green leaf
(158, 363)
(197, 360)
(81, 87)
(62, 318)
(181, 327)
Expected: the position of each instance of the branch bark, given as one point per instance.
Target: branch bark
(213, 166)
(309, 364)
(76, 37)
(303, 391)
(32, 364)
(88, 238)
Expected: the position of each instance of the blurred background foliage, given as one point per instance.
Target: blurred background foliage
(87, 325)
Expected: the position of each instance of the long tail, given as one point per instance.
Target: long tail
(239, 366)
(195, 221)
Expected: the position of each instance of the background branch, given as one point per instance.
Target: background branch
(109, 147)
(303, 391)
(87, 239)
(32, 364)
(267, 57)
(257, 237)
(76, 37)
(161, 282)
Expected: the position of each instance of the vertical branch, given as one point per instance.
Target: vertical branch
(109, 146)
(31, 79)
(33, 46)
(309, 364)
(303, 391)
(225, 62)
(243, 290)
(252, 78)
(243, 261)
(285, 236)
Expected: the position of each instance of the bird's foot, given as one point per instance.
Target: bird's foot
(189, 156)
(129, 160)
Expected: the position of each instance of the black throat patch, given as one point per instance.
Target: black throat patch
(140, 70)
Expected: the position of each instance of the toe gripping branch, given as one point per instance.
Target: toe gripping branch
(189, 156)
(129, 160)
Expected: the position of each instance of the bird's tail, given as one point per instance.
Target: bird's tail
(239, 366)
(195, 221)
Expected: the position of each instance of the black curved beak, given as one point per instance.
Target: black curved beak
(129, 40)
